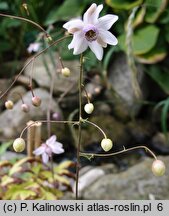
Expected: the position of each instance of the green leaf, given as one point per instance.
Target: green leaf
(36, 169)
(4, 147)
(159, 76)
(123, 4)
(139, 17)
(154, 9)
(22, 191)
(3, 6)
(155, 55)
(17, 167)
(144, 39)
(10, 23)
(66, 11)
(6, 180)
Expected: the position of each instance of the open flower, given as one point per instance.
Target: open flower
(92, 31)
(46, 149)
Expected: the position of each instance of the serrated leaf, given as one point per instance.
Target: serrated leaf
(123, 4)
(17, 167)
(64, 165)
(62, 179)
(36, 169)
(46, 174)
(4, 164)
(21, 191)
(6, 180)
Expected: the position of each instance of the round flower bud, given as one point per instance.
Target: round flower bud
(106, 144)
(19, 144)
(89, 108)
(36, 101)
(9, 104)
(65, 71)
(25, 108)
(158, 168)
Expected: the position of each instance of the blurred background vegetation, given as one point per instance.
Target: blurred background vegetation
(150, 26)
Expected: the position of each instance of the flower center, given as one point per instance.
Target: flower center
(90, 32)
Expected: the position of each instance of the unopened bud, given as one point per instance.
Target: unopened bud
(106, 144)
(25, 6)
(36, 101)
(65, 71)
(9, 104)
(25, 107)
(89, 107)
(19, 145)
(49, 38)
(158, 168)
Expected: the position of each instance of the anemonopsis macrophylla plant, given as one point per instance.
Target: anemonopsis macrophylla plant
(92, 32)
(29, 179)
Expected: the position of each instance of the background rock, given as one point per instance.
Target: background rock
(43, 77)
(119, 76)
(136, 183)
(13, 121)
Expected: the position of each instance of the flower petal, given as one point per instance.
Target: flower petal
(97, 49)
(76, 38)
(108, 37)
(80, 47)
(57, 148)
(92, 14)
(87, 15)
(45, 158)
(39, 150)
(78, 42)
(51, 140)
(107, 21)
(73, 25)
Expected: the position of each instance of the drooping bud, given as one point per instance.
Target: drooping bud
(106, 144)
(19, 145)
(25, 107)
(65, 72)
(36, 101)
(49, 38)
(9, 104)
(89, 107)
(158, 168)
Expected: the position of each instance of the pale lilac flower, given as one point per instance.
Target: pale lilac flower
(92, 31)
(46, 149)
(33, 47)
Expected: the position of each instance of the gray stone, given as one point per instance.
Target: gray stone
(87, 179)
(114, 130)
(119, 76)
(13, 121)
(15, 93)
(137, 182)
(4, 84)
(43, 77)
